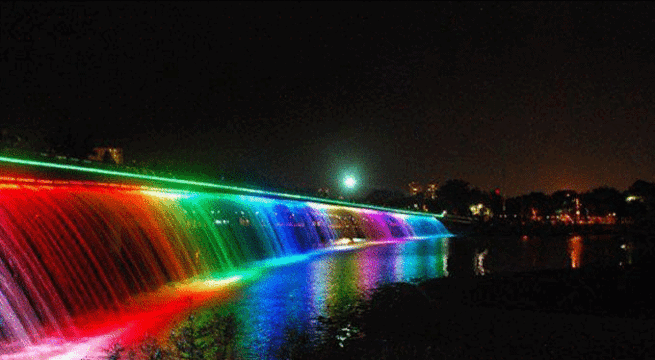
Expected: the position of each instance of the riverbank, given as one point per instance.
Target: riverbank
(515, 227)
(474, 332)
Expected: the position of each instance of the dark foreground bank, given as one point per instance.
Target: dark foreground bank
(595, 313)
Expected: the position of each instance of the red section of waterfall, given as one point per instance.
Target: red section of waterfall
(44, 237)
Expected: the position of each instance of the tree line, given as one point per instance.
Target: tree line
(459, 197)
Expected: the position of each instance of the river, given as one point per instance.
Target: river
(295, 295)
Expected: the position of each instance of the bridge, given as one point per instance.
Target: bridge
(80, 243)
(22, 171)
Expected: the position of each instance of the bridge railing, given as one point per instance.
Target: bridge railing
(196, 185)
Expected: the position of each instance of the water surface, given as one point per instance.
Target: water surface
(294, 296)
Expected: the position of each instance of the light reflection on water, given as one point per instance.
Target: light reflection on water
(575, 251)
(294, 296)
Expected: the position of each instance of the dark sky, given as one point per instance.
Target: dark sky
(522, 96)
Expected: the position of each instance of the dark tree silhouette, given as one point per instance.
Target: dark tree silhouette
(107, 159)
(538, 201)
(564, 199)
(456, 196)
(64, 141)
(641, 207)
(604, 201)
(383, 197)
(643, 189)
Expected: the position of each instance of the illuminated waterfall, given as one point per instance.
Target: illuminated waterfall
(67, 251)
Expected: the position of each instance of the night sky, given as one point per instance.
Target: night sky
(521, 96)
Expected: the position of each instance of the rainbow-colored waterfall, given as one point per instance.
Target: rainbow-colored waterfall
(67, 251)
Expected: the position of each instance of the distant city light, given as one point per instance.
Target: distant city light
(632, 198)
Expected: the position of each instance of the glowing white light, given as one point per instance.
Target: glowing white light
(350, 182)
(166, 194)
(222, 282)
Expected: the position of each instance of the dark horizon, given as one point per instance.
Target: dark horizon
(521, 97)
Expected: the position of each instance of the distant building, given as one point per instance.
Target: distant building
(415, 188)
(107, 155)
(431, 191)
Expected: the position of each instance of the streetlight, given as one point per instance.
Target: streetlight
(350, 182)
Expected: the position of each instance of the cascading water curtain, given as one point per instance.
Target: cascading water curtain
(67, 251)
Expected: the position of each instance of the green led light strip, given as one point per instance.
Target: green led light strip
(209, 185)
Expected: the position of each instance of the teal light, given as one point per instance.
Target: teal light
(206, 185)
